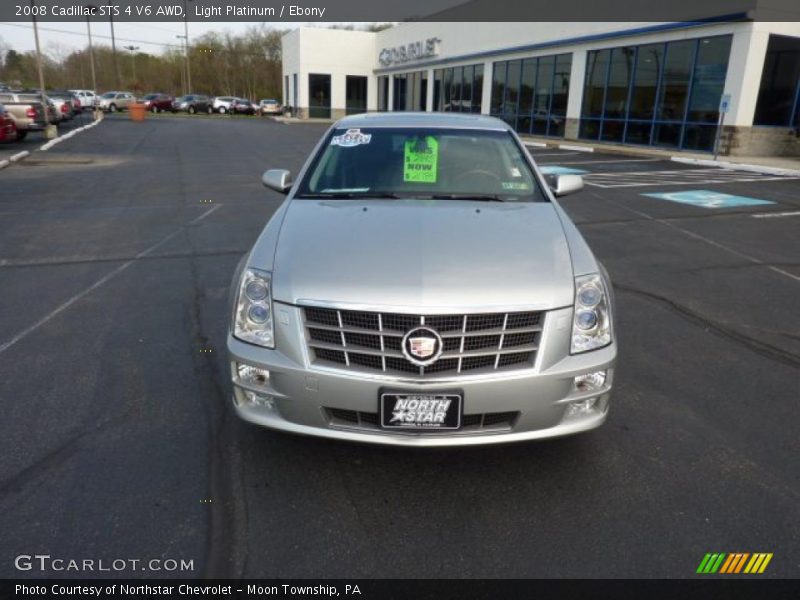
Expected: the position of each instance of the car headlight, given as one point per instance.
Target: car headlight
(591, 326)
(253, 318)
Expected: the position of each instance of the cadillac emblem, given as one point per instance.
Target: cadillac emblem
(422, 346)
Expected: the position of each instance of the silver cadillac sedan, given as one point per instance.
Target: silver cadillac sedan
(421, 286)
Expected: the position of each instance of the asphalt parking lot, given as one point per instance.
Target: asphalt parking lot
(117, 248)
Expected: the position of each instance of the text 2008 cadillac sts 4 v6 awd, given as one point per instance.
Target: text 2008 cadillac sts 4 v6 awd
(421, 286)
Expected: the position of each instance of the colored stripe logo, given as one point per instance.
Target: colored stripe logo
(734, 563)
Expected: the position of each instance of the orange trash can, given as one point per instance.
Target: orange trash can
(137, 111)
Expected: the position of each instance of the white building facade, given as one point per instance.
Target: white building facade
(663, 85)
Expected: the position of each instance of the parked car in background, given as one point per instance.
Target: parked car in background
(26, 110)
(64, 103)
(222, 104)
(55, 116)
(87, 98)
(8, 129)
(114, 101)
(269, 107)
(242, 106)
(157, 102)
(193, 104)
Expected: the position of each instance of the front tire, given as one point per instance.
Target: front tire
(192, 110)
(154, 110)
(222, 110)
(112, 108)
(21, 135)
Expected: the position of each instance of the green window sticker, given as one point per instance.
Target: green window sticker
(421, 160)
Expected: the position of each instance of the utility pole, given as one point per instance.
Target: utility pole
(113, 44)
(183, 65)
(41, 70)
(186, 36)
(133, 50)
(91, 48)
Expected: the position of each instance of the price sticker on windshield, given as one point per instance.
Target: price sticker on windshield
(421, 160)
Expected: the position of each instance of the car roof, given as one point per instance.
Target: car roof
(422, 120)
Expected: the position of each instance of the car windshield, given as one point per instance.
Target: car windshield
(151, 96)
(421, 163)
(109, 95)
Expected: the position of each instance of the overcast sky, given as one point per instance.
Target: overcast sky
(150, 37)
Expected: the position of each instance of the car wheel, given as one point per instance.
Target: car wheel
(222, 110)
(21, 135)
(192, 110)
(154, 109)
(210, 110)
(112, 108)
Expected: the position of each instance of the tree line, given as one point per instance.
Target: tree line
(222, 64)
(246, 65)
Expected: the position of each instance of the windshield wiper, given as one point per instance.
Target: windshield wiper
(475, 197)
(348, 195)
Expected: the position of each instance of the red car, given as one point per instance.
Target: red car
(158, 102)
(8, 129)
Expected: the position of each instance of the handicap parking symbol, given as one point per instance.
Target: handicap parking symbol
(708, 199)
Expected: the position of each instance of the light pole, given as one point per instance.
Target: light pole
(186, 36)
(113, 43)
(183, 65)
(133, 50)
(45, 105)
(91, 48)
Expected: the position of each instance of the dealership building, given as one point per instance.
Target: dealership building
(661, 85)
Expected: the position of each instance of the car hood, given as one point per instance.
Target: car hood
(425, 255)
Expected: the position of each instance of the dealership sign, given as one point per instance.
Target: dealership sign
(412, 51)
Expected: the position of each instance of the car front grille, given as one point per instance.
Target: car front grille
(471, 343)
(499, 421)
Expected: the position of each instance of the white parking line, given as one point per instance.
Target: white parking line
(538, 155)
(600, 162)
(18, 156)
(61, 308)
(679, 177)
(578, 148)
(776, 215)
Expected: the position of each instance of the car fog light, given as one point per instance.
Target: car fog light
(252, 375)
(262, 400)
(582, 408)
(589, 382)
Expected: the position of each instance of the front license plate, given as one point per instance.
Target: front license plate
(420, 411)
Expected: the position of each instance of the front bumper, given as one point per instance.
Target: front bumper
(301, 398)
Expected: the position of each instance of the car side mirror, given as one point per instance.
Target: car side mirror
(567, 184)
(279, 180)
